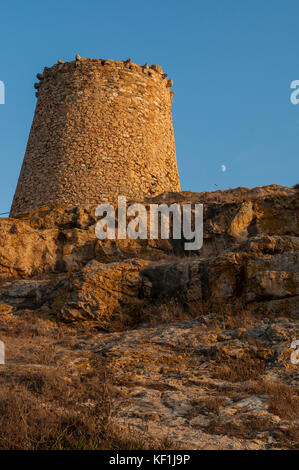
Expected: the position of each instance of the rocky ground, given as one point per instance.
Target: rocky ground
(179, 351)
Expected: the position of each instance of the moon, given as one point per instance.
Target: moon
(223, 168)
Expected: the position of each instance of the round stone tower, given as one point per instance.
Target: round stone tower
(101, 128)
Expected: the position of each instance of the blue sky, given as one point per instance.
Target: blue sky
(232, 62)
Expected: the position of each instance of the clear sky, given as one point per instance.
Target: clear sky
(232, 62)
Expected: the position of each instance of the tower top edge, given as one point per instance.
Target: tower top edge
(87, 64)
(86, 61)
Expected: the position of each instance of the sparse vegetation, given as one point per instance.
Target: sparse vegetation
(254, 427)
(53, 398)
(283, 399)
(59, 391)
(206, 405)
(46, 410)
(239, 370)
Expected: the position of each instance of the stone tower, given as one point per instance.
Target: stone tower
(101, 128)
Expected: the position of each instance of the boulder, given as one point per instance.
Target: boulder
(100, 291)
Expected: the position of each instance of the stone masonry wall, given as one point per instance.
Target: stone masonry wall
(101, 128)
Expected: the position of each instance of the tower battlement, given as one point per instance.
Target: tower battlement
(101, 128)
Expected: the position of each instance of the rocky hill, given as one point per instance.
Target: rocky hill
(197, 346)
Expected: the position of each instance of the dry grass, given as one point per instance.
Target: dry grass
(206, 405)
(45, 404)
(245, 429)
(48, 403)
(150, 315)
(199, 307)
(251, 426)
(28, 424)
(287, 438)
(224, 317)
(44, 408)
(47, 411)
(239, 370)
(173, 310)
(283, 399)
(242, 319)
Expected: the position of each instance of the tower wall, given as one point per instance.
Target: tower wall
(100, 129)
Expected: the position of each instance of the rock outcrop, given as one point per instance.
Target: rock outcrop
(199, 343)
(249, 258)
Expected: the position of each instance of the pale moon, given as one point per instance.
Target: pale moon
(223, 168)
